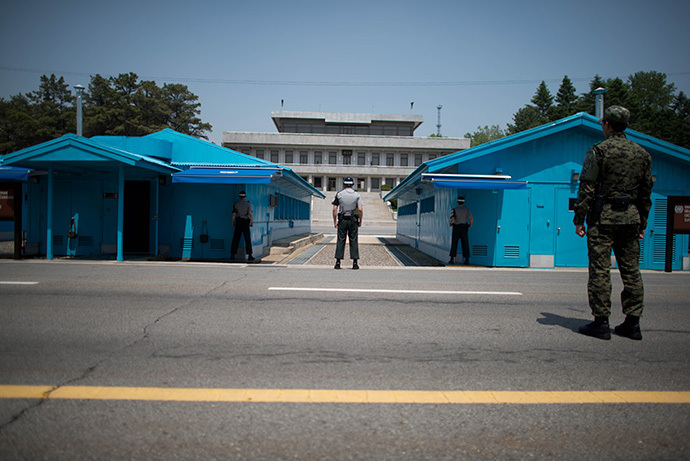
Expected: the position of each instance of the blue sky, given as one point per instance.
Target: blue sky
(480, 60)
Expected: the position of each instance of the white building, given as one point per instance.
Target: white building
(323, 148)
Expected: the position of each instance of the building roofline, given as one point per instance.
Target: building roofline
(346, 117)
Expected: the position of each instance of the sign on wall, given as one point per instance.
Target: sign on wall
(677, 222)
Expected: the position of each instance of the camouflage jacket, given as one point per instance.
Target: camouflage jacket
(615, 167)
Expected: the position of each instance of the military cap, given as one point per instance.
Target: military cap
(616, 114)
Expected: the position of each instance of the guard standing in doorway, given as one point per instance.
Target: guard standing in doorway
(347, 218)
(242, 221)
(460, 220)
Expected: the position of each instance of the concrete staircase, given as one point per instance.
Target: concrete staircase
(375, 210)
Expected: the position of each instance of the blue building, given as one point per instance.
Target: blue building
(521, 190)
(165, 194)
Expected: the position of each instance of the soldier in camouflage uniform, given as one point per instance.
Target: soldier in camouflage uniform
(614, 195)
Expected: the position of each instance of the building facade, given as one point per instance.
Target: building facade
(165, 194)
(521, 190)
(323, 148)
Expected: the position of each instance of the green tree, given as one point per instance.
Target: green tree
(485, 134)
(586, 102)
(543, 100)
(565, 100)
(526, 118)
(40, 116)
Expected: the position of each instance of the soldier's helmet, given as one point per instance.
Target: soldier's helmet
(348, 181)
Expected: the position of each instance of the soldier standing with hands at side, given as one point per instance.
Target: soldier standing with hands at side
(460, 220)
(347, 218)
(614, 195)
(242, 220)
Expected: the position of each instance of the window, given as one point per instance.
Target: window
(403, 159)
(274, 156)
(318, 182)
(347, 157)
(260, 154)
(332, 158)
(361, 158)
(417, 159)
(375, 184)
(303, 157)
(318, 157)
(288, 156)
(375, 159)
(390, 160)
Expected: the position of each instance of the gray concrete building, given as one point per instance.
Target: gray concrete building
(324, 147)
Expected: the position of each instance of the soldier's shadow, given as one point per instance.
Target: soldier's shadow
(570, 323)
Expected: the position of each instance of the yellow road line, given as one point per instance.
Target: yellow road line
(339, 395)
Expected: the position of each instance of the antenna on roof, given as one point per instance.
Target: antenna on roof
(438, 124)
(282, 103)
(411, 106)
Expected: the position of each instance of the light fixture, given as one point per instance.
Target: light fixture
(574, 176)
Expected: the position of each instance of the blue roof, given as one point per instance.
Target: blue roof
(581, 120)
(71, 153)
(165, 152)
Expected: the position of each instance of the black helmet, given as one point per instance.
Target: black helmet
(348, 181)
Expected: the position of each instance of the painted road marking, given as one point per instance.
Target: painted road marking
(18, 283)
(371, 290)
(341, 395)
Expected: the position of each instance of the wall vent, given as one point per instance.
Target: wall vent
(511, 252)
(217, 244)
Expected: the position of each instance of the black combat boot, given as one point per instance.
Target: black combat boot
(630, 328)
(355, 266)
(337, 264)
(452, 260)
(598, 329)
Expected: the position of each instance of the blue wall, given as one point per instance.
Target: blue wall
(533, 227)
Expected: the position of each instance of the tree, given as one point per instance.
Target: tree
(484, 135)
(183, 109)
(526, 118)
(586, 103)
(122, 106)
(543, 100)
(565, 100)
(40, 116)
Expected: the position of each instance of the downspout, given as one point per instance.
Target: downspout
(120, 211)
(49, 219)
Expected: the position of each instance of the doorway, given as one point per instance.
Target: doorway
(136, 232)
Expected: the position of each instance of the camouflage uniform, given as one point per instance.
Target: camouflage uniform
(616, 177)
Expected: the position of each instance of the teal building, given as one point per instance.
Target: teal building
(521, 190)
(166, 194)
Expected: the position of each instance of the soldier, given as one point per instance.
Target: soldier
(614, 195)
(242, 220)
(460, 220)
(347, 218)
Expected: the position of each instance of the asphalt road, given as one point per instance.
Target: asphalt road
(141, 328)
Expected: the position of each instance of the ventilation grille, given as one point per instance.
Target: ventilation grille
(186, 244)
(58, 240)
(511, 252)
(659, 249)
(480, 250)
(217, 244)
(660, 212)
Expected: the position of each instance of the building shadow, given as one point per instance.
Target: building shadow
(572, 324)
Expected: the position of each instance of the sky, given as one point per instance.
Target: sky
(480, 60)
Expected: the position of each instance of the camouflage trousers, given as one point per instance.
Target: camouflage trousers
(625, 243)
